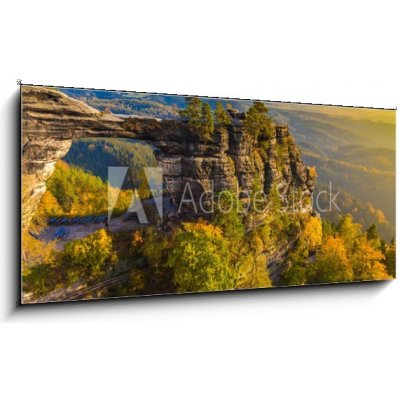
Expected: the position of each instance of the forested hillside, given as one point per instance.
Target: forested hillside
(96, 155)
(73, 192)
(363, 183)
(363, 212)
(125, 103)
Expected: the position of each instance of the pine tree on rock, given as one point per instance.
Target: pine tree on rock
(207, 121)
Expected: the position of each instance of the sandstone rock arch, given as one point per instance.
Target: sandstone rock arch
(51, 120)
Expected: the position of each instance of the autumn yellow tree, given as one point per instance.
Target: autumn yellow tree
(367, 262)
(89, 258)
(312, 233)
(39, 274)
(313, 172)
(332, 263)
(252, 272)
(49, 205)
(252, 262)
(349, 231)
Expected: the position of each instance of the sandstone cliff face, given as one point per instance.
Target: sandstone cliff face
(50, 121)
(231, 160)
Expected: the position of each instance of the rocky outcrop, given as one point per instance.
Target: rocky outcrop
(50, 121)
(230, 160)
(284, 166)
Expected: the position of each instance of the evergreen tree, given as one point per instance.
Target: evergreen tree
(207, 121)
(373, 237)
(198, 117)
(257, 122)
(192, 114)
(221, 117)
(390, 259)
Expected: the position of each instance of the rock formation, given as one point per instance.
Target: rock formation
(231, 160)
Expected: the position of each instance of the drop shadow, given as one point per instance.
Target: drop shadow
(364, 291)
(13, 213)
(23, 313)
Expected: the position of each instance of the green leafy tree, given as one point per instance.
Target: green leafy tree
(274, 200)
(159, 277)
(199, 259)
(246, 253)
(294, 275)
(328, 229)
(40, 279)
(228, 216)
(252, 270)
